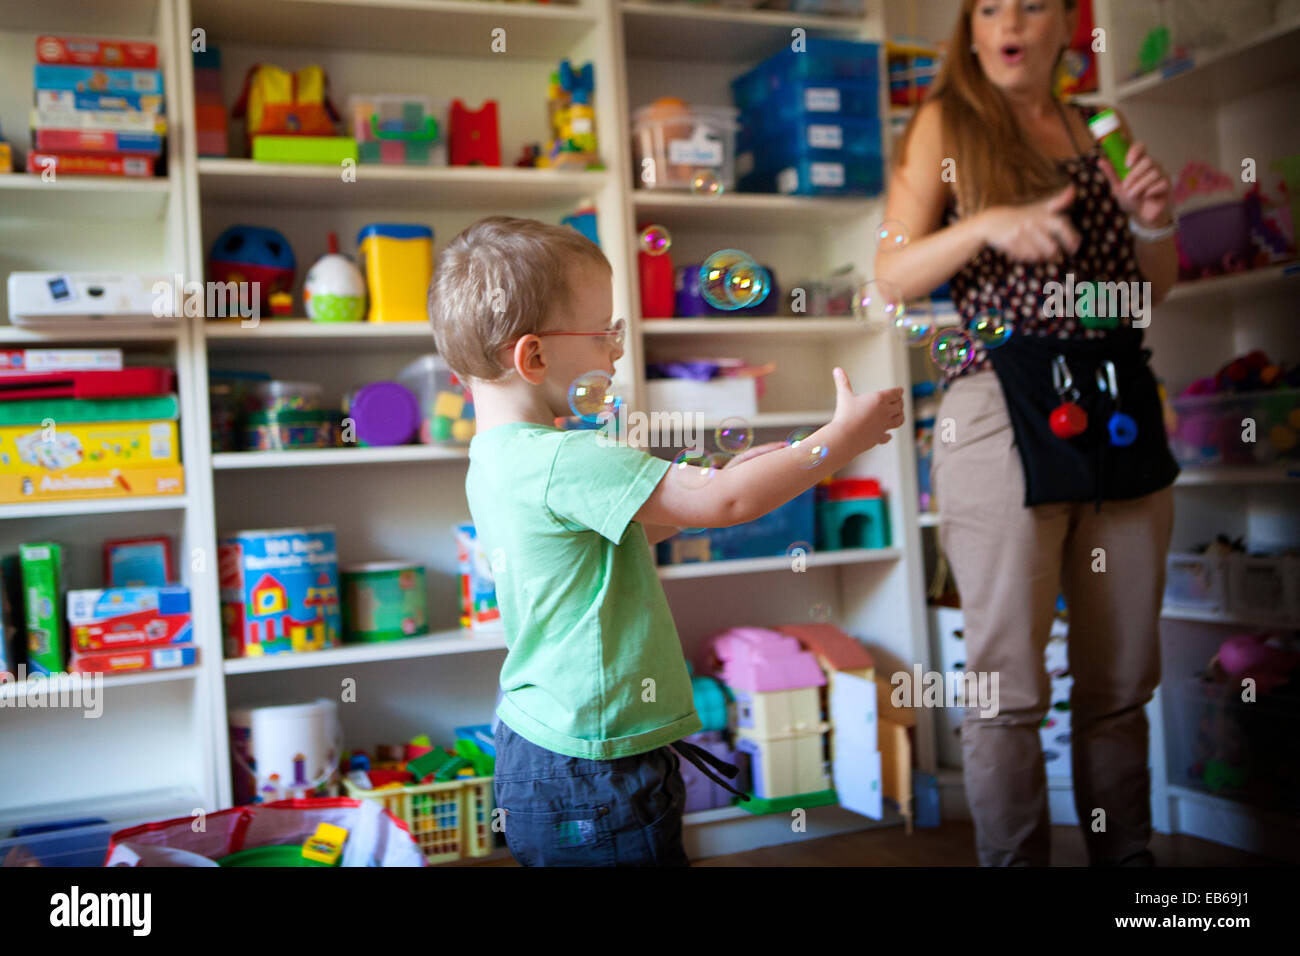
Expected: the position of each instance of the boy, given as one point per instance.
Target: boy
(594, 682)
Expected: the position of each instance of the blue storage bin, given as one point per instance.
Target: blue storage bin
(769, 536)
(792, 168)
(831, 139)
(808, 101)
(68, 843)
(822, 60)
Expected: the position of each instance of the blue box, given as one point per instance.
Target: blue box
(821, 59)
(793, 169)
(826, 140)
(768, 536)
(96, 79)
(811, 101)
(67, 843)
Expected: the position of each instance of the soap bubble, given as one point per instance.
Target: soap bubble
(891, 234)
(733, 435)
(952, 350)
(747, 284)
(991, 328)
(655, 240)
(591, 396)
(705, 182)
(692, 469)
(820, 612)
(719, 459)
(811, 454)
(916, 326)
(878, 302)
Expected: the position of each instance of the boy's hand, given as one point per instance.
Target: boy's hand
(869, 417)
(754, 452)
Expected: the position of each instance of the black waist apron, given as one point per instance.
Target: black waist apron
(1087, 467)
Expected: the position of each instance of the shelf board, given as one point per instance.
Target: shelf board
(1271, 280)
(1238, 475)
(94, 506)
(312, 457)
(682, 32)
(449, 27)
(12, 689)
(749, 210)
(122, 18)
(810, 327)
(28, 196)
(103, 334)
(456, 641)
(304, 335)
(404, 187)
(1225, 617)
(1216, 76)
(815, 559)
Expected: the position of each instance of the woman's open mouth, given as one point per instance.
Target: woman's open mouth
(1012, 54)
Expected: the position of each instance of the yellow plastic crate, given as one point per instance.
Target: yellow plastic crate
(450, 821)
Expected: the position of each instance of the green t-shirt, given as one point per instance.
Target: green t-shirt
(594, 665)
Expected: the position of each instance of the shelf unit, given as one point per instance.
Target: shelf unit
(1220, 107)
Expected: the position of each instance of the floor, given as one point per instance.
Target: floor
(952, 844)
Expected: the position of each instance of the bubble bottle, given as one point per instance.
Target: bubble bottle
(1106, 130)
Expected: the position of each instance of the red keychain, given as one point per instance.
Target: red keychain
(1068, 420)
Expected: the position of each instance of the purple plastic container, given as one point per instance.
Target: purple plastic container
(701, 792)
(385, 413)
(1207, 235)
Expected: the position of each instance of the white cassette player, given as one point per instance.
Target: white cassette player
(66, 299)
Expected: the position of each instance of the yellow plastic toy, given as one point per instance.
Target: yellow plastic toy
(398, 262)
(326, 844)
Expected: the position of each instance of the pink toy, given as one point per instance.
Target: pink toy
(1252, 656)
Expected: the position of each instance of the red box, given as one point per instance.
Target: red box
(103, 619)
(89, 164)
(83, 52)
(138, 659)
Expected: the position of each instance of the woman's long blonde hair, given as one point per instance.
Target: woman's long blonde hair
(996, 163)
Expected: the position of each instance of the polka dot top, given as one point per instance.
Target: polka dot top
(992, 281)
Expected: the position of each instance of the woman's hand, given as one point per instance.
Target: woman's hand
(1036, 232)
(1146, 193)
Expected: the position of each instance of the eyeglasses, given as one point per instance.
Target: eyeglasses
(616, 334)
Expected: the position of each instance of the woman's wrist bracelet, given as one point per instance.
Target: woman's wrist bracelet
(1152, 235)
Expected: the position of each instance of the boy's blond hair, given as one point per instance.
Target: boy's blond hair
(501, 279)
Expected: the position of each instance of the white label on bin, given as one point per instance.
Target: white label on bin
(745, 163)
(827, 174)
(787, 180)
(821, 99)
(699, 150)
(822, 136)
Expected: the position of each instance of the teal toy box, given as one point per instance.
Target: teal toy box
(851, 513)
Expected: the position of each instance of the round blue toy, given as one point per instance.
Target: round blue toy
(253, 254)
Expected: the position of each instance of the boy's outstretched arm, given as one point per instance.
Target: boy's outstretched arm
(687, 499)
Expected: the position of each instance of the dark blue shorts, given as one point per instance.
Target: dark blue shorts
(570, 811)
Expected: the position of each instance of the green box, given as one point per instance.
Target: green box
(42, 570)
(304, 149)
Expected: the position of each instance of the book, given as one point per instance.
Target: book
(113, 121)
(77, 51)
(95, 79)
(68, 100)
(90, 164)
(48, 360)
(72, 411)
(96, 141)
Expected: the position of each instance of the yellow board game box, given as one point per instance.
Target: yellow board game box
(85, 448)
(100, 482)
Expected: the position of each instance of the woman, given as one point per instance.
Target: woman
(1004, 192)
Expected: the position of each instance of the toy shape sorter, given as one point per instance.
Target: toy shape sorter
(279, 591)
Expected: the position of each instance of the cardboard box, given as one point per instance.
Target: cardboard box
(89, 79)
(717, 398)
(87, 447)
(90, 52)
(103, 482)
(137, 659)
(117, 618)
(42, 570)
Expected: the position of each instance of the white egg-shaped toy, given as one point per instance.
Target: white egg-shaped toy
(334, 290)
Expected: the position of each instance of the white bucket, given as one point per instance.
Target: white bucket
(282, 753)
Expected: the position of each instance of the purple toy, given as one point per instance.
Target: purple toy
(385, 413)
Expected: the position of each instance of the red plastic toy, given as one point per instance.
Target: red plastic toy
(475, 135)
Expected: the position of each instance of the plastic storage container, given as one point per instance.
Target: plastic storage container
(792, 168)
(671, 141)
(400, 130)
(288, 430)
(275, 396)
(449, 821)
(67, 843)
(807, 101)
(768, 536)
(1196, 582)
(397, 259)
(1257, 587)
(821, 59)
(842, 139)
(446, 405)
(1210, 428)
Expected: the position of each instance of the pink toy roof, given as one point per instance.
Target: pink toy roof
(758, 659)
(841, 651)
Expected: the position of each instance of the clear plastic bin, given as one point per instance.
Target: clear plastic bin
(672, 141)
(1257, 587)
(1210, 429)
(446, 405)
(273, 397)
(822, 59)
(1195, 582)
(398, 129)
(85, 845)
(791, 168)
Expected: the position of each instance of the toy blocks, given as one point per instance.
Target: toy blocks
(851, 514)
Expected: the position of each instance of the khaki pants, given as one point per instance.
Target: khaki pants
(1010, 563)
